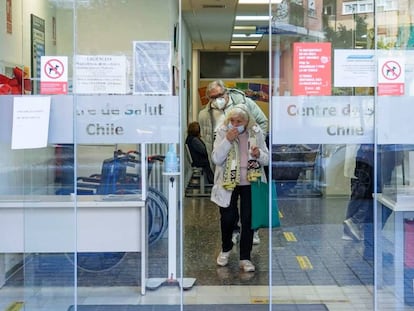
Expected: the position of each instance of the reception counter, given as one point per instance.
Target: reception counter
(62, 224)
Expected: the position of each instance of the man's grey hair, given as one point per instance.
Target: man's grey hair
(213, 85)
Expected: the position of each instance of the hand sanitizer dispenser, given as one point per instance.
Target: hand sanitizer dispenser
(171, 161)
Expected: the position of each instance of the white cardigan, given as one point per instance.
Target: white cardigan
(221, 148)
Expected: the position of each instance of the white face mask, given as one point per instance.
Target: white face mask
(220, 103)
(240, 128)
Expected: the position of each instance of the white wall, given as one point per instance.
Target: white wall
(187, 87)
(42, 9)
(15, 47)
(112, 28)
(11, 51)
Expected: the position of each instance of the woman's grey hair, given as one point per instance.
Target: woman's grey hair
(241, 111)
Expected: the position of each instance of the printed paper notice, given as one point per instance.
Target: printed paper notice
(354, 68)
(152, 67)
(30, 122)
(100, 74)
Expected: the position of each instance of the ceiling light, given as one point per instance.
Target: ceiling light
(244, 42)
(259, 1)
(242, 47)
(245, 28)
(252, 17)
(247, 35)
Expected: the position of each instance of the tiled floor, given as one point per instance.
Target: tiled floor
(309, 261)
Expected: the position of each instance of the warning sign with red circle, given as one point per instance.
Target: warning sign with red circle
(391, 77)
(54, 75)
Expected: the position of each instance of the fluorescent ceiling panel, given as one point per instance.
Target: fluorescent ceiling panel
(244, 42)
(245, 28)
(252, 18)
(247, 35)
(242, 47)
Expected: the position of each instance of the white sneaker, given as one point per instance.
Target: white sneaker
(247, 266)
(235, 237)
(347, 237)
(353, 229)
(256, 238)
(223, 258)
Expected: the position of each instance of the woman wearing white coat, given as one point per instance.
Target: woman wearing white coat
(239, 153)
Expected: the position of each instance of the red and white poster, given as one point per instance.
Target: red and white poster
(312, 68)
(54, 75)
(391, 76)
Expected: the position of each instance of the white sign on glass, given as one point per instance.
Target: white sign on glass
(127, 119)
(354, 68)
(30, 122)
(152, 67)
(322, 119)
(100, 74)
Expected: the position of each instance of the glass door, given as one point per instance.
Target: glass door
(322, 145)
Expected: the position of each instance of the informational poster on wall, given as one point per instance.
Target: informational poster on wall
(322, 120)
(152, 67)
(30, 122)
(312, 68)
(37, 49)
(354, 68)
(100, 74)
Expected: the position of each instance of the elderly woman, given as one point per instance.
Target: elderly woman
(198, 151)
(239, 153)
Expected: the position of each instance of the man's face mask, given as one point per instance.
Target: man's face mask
(220, 102)
(240, 128)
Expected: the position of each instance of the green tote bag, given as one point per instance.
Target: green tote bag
(260, 205)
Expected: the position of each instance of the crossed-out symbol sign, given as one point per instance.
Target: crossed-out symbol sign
(391, 70)
(54, 68)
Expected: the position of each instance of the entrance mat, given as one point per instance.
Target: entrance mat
(227, 307)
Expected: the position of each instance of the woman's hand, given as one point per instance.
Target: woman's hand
(255, 152)
(232, 134)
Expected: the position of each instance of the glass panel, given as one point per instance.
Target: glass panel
(84, 200)
(256, 65)
(322, 140)
(70, 237)
(37, 222)
(126, 98)
(394, 153)
(219, 64)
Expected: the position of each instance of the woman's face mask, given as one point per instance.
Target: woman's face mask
(239, 128)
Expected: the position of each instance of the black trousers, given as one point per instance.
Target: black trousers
(228, 216)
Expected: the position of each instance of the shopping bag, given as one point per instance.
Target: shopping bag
(260, 205)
